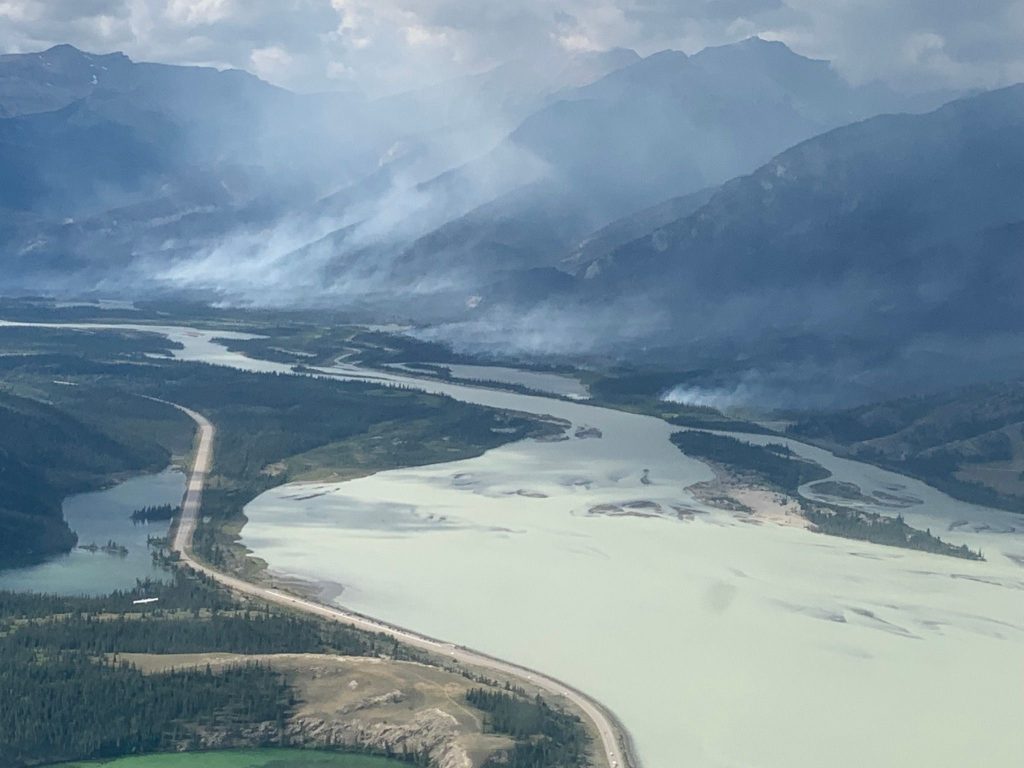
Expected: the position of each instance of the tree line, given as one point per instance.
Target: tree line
(155, 513)
(546, 737)
(65, 695)
(65, 704)
(773, 464)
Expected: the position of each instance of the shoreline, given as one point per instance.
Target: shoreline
(617, 749)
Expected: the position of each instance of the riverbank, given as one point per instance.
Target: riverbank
(100, 517)
(615, 744)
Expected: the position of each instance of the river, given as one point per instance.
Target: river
(539, 381)
(716, 641)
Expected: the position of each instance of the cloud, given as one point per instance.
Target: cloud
(194, 12)
(271, 63)
(393, 45)
(914, 43)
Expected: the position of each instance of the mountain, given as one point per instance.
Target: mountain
(440, 128)
(108, 162)
(64, 162)
(662, 127)
(453, 162)
(131, 175)
(902, 234)
(474, 112)
(122, 173)
(672, 124)
(221, 116)
(70, 112)
(593, 250)
(52, 79)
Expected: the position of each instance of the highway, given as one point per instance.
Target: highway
(614, 741)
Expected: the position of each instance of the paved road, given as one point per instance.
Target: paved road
(613, 739)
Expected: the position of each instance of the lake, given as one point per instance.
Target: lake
(99, 517)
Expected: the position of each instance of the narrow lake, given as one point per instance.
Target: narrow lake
(98, 517)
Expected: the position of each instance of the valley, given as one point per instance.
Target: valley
(236, 476)
(590, 384)
(453, 538)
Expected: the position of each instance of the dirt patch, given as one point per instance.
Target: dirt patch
(755, 504)
(771, 507)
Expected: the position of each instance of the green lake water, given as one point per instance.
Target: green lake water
(99, 517)
(244, 758)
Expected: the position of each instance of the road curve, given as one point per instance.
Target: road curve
(614, 741)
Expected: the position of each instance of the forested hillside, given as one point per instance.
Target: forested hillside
(83, 418)
(48, 451)
(70, 694)
(873, 260)
(65, 698)
(969, 442)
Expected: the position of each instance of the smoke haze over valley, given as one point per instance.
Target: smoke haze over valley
(511, 384)
(696, 211)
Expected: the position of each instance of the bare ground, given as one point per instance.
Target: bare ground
(366, 701)
(751, 502)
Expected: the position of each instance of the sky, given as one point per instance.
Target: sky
(386, 46)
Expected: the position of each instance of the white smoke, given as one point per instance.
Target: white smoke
(719, 398)
(551, 329)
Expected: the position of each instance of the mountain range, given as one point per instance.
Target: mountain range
(901, 235)
(664, 126)
(743, 204)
